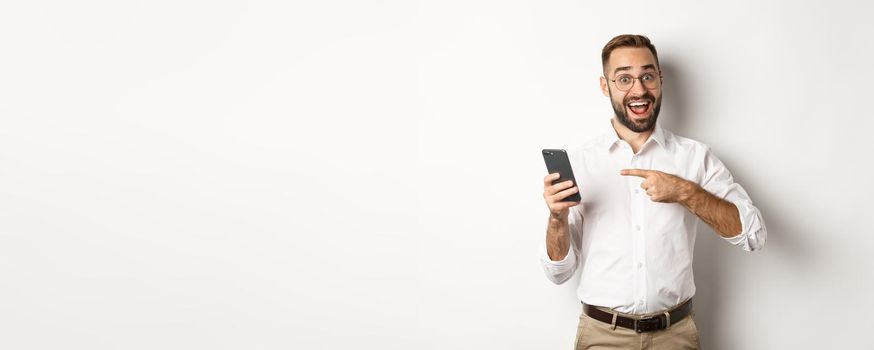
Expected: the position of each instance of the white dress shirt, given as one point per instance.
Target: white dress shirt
(635, 254)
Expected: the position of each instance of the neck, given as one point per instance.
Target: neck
(635, 139)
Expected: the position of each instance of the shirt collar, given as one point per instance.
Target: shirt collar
(611, 137)
(658, 135)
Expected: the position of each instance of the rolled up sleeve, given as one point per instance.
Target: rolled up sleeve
(560, 271)
(718, 181)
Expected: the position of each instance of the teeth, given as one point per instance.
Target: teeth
(638, 104)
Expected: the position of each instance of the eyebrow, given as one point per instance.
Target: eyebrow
(644, 67)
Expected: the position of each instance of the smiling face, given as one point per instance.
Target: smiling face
(638, 108)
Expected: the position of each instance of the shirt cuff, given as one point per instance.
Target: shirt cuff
(568, 260)
(751, 227)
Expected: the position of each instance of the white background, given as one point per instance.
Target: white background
(349, 174)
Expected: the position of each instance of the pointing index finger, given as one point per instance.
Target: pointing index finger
(636, 172)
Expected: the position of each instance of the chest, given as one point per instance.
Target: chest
(605, 192)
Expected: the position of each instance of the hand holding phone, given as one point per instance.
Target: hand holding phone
(559, 187)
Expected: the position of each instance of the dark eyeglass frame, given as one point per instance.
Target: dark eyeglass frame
(640, 77)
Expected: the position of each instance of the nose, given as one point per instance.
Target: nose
(637, 88)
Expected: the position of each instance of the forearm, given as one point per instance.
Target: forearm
(557, 238)
(721, 215)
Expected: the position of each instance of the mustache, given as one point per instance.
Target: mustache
(645, 97)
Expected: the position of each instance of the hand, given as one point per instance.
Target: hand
(662, 187)
(553, 194)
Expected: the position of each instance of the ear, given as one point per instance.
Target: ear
(604, 87)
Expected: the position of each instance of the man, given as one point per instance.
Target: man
(632, 235)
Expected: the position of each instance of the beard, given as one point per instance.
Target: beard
(637, 126)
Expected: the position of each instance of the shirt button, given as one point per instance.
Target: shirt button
(637, 227)
(640, 303)
(636, 191)
(639, 265)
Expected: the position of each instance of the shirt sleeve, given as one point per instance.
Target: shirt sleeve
(560, 271)
(718, 181)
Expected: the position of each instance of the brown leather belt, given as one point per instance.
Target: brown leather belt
(654, 323)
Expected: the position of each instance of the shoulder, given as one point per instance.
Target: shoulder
(685, 145)
(592, 144)
(590, 153)
(589, 145)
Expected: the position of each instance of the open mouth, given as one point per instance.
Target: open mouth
(640, 108)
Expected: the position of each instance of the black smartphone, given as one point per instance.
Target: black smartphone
(558, 162)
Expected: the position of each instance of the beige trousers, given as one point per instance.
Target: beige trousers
(594, 334)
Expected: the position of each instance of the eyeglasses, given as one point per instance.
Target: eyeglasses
(651, 81)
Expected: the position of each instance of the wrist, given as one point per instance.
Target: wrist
(689, 193)
(558, 219)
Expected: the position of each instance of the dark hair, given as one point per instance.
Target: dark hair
(627, 40)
